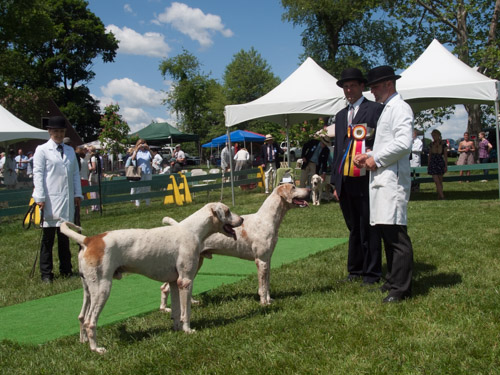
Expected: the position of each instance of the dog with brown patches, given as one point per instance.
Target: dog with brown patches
(256, 237)
(167, 254)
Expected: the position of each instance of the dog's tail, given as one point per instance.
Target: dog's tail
(65, 229)
(169, 221)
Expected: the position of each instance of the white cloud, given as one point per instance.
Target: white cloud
(132, 43)
(127, 8)
(194, 23)
(132, 94)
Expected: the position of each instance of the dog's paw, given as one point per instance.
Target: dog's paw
(194, 301)
(100, 350)
(165, 309)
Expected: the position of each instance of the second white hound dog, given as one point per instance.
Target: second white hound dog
(168, 254)
(256, 237)
(316, 188)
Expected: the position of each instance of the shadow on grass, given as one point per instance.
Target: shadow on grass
(423, 283)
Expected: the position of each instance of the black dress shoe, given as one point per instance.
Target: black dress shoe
(47, 280)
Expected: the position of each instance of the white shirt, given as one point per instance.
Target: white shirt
(416, 151)
(242, 155)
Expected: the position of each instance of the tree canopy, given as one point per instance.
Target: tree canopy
(47, 48)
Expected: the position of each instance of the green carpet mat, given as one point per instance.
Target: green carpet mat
(46, 319)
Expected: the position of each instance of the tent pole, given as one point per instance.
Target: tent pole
(498, 146)
(287, 142)
(230, 164)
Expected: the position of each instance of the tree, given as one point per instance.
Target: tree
(194, 97)
(346, 33)
(114, 130)
(469, 27)
(47, 49)
(247, 77)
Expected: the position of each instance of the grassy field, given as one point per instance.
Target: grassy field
(316, 325)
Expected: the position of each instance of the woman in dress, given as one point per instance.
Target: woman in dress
(466, 149)
(438, 161)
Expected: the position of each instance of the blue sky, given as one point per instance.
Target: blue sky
(212, 30)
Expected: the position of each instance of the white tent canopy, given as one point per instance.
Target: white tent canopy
(438, 78)
(14, 129)
(309, 92)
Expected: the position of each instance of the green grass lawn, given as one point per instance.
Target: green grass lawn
(316, 325)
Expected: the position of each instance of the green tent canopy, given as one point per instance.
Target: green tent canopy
(163, 132)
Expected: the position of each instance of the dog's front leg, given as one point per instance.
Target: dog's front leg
(185, 290)
(263, 273)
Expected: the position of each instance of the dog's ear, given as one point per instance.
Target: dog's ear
(218, 211)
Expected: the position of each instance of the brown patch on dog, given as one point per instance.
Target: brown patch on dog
(95, 249)
(243, 232)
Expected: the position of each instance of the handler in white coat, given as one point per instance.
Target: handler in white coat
(57, 191)
(390, 181)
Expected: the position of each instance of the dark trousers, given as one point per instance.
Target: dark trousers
(399, 255)
(364, 256)
(484, 161)
(46, 263)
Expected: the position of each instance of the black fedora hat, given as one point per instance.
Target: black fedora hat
(56, 122)
(351, 74)
(381, 73)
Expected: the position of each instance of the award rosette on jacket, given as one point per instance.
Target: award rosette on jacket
(357, 135)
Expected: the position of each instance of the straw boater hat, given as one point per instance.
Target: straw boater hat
(325, 140)
(380, 74)
(351, 74)
(269, 137)
(56, 122)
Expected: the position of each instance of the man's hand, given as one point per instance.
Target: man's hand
(360, 160)
(41, 205)
(335, 195)
(77, 201)
(370, 164)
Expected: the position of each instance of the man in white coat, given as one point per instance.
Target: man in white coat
(57, 192)
(389, 166)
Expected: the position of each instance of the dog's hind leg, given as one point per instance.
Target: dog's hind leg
(165, 290)
(99, 293)
(176, 309)
(84, 312)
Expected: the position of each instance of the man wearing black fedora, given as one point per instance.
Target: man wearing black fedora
(56, 178)
(390, 182)
(351, 189)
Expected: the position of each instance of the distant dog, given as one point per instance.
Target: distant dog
(256, 237)
(168, 254)
(316, 187)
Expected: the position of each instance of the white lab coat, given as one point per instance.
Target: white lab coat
(57, 182)
(390, 183)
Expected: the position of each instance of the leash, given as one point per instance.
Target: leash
(30, 215)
